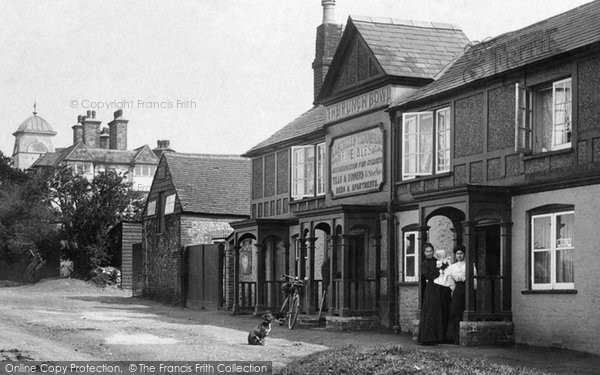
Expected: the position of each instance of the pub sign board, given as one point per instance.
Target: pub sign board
(357, 163)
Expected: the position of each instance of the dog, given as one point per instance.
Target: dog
(258, 335)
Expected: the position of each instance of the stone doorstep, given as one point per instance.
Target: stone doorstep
(310, 321)
(352, 323)
(480, 333)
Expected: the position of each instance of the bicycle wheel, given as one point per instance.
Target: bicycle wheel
(294, 307)
(283, 312)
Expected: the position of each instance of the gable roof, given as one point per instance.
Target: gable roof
(403, 49)
(410, 48)
(307, 123)
(81, 152)
(562, 33)
(211, 184)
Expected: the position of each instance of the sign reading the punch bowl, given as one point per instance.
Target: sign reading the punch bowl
(362, 103)
(357, 163)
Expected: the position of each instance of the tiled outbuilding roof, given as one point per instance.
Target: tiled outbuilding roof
(308, 122)
(565, 32)
(211, 184)
(410, 48)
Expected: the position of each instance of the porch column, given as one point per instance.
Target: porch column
(469, 239)
(331, 291)
(235, 307)
(344, 309)
(387, 269)
(423, 238)
(376, 238)
(259, 305)
(310, 283)
(302, 260)
(286, 265)
(505, 269)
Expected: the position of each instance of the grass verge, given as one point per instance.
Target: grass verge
(397, 359)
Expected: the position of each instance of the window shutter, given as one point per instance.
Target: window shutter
(523, 120)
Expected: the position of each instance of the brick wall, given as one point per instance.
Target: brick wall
(559, 320)
(199, 230)
(408, 297)
(163, 261)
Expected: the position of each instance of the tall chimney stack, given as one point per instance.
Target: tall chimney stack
(91, 130)
(104, 138)
(328, 36)
(78, 131)
(118, 131)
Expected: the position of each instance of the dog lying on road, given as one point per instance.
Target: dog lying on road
(258, 335)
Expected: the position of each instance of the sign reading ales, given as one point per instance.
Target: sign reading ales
(357, 163)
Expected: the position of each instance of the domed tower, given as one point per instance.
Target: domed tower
(32, 139)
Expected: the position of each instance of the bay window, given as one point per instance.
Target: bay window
(552, 249)
(305, 161)
(425, 143)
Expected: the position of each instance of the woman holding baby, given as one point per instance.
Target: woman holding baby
(433, 322)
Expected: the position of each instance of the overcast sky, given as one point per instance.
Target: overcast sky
(227, 73)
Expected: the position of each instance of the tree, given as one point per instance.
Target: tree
(87, 210)
(27, 230)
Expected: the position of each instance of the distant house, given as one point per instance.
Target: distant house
(192, 200)
(94, 150)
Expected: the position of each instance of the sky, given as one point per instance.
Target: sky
(211, 76)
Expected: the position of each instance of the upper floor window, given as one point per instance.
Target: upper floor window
(151, 209)
(304, 164)
(552, 250)
(170, 204)
(81, 167)
(543, 120)
(425, 143)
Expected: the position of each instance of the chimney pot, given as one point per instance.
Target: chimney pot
(93, 114)
(118, 113)
(88, 114)
(167, 142)
(328, 11)
(79, 119)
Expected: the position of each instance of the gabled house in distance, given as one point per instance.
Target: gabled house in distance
(192, 200)
(95, 150)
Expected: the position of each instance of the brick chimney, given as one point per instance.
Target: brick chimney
(78, 131)
(91, 130)
(104, 138)
(328, 36)
(118, 131)
(162, 146)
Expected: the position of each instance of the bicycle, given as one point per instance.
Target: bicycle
(291, 305)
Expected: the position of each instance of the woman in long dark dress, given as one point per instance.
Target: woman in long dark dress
(432, 323)
(457, 307)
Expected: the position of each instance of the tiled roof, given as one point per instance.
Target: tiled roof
(46, 160)
(98, 155)
(410, 48)
(562, 33)
(308, 122)
(211, 184)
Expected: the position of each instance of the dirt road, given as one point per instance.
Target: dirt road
(70, 320)
(66, 319)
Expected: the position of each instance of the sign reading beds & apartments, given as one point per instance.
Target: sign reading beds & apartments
(357, 162)
(358, 104)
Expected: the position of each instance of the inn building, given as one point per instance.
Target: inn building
(417, 135)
